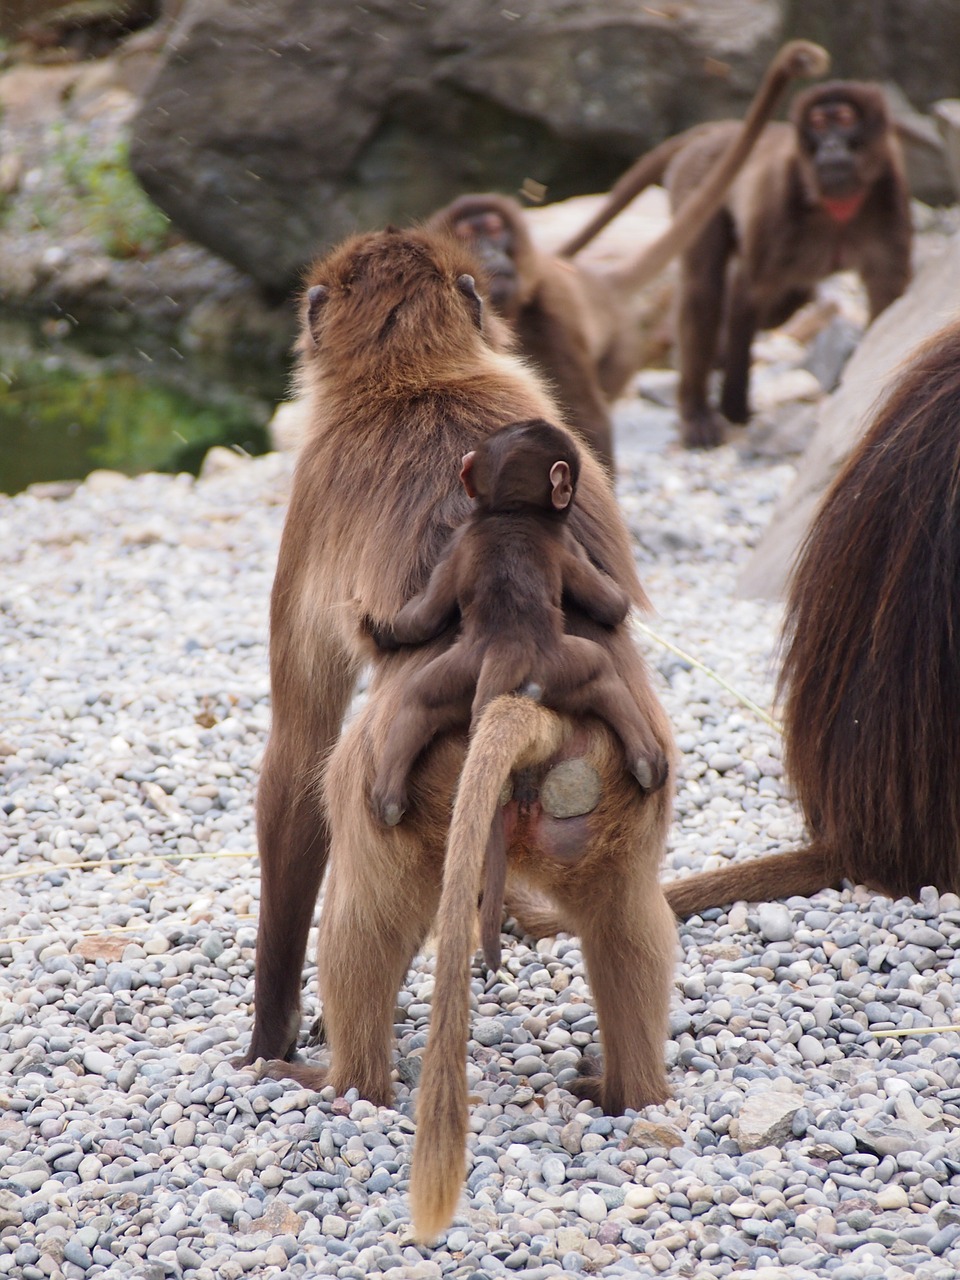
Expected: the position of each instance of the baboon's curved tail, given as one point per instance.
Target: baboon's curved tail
(513, 732)
(796, 58)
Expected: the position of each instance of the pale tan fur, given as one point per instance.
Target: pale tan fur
(512, 733)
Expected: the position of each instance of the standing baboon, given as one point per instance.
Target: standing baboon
(404, 376)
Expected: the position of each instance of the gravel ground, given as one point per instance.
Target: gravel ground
(135, 708)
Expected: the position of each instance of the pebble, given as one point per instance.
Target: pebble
(135, 715)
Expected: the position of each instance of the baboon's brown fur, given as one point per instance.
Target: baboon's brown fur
(871, 673)
(576, 323)
(404, 377)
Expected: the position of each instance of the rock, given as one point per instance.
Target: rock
(219, 461)
(775, 922)
(288, 426)
(106, 482)
(891, 1137)
(101, 946)
(765, 1120)
(786, 387)
(223, 1201)
(280, 1220)
(892, 1198)
(592, 1207)
(649, 1133)
(922, 310)
(830, 351)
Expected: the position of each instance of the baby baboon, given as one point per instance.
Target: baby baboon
(507, 570)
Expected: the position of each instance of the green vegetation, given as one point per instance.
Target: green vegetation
(112, 203)
(58, 424)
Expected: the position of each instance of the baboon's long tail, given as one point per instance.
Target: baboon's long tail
(512, 732)
(796, 58)
(780, 875)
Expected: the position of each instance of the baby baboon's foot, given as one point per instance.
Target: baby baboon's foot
(651, 770)
(388, 805)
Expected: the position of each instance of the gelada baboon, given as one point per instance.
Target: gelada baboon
(871, 672)
(575, 323)
(402, 369)
(824, 193)
(507, 572)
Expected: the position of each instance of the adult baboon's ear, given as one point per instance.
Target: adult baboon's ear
(561, 484)
(317, 295)
(468, 287)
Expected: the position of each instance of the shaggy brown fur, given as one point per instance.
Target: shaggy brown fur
(575, 323)
(404, 379)
(825, 192)
(871, 673)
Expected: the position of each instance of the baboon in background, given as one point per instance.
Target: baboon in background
(402, 369)
(575, 323)
(823, 193)
(871, 672)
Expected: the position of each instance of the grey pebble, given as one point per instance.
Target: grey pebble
(488, 1031)
(774, 922)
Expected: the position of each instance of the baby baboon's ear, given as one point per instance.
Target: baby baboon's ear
(561, 483)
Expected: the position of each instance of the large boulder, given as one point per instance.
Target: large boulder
(928, 305)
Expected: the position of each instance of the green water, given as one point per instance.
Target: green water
(65, 411)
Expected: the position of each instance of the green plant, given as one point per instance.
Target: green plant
(116, 209)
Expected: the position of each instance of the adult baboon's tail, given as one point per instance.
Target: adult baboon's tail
(781, 875)
(796, 58)
(513, 732)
